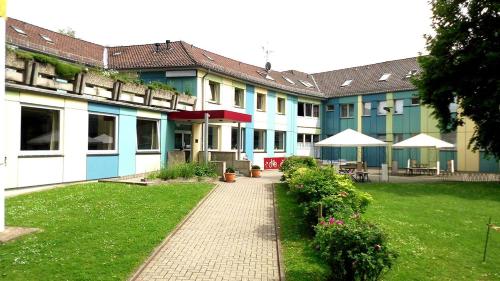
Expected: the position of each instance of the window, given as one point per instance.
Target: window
(306, 83)
(346, 110)
(182, 140)
(346, 83)
(367, 108)
(315, 138)
(147, 134)
(102, 132)
(316, 110)
(39, 129)
(239, 95)
(261, 102)
(214, 94)
(259, 140)
(281, 105)
(234, 138)
(279, 140)
(411, 73)
(384, 77)
(415, 101)
(453, 105)
(18, 30)
(208, 57)
(398, 106)
(300, 109)
(398, 138)
(300, 138)
(307, 138)
(380, 108)
(288, 80)
(330, 107)
(46, 38)
(308, 109)
(213, 137)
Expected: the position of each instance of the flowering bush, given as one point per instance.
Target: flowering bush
(355, 249)
(292, 163)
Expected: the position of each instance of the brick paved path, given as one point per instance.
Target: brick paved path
(231, 236)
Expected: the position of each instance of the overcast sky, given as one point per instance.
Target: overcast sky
(310, 36)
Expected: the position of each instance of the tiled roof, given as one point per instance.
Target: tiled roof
(365, 79)
(61, 45)
(182, 54)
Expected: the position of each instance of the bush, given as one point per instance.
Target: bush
(292, 163)
(324, 187)
(230, 170)
(255, 167)
(63, 69)
(187, 171)
(354, 249)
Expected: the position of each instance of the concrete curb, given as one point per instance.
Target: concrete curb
(281, 264)
(164, 243)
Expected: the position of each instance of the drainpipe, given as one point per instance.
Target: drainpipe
(203, 90)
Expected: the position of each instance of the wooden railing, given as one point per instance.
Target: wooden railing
(92, 84)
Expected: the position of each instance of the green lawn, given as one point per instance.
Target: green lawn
(301, 260)
(439, 229)
(98, 231)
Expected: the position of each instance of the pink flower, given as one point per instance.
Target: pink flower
(340, 222)
(322, 222)
(377, 247)
(331, 220)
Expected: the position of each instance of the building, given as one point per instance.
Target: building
(94, 125)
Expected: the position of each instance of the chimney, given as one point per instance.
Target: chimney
(168, 44)
(157, 45)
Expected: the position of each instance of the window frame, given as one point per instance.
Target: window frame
(217, 94)
(283, 112)
(113, 151)
(313, 111)
(369, 109)
(380, 107)
(243, 138)
(402, 106)
(59, 151)
(350, 114)
(242, 100)
(217, 137)
(264, 103)
(158, 133)
(264, 142)
(284, 141)
(332, 107)
(413, 99)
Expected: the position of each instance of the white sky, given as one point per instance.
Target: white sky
(310, 36)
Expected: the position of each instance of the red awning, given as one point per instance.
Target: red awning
(216, 116)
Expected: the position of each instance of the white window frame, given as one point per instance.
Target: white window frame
(415, 98)
(380, 107)
(349, 113)
(396, 101)
(217, 137)
(277, 105)
(319, 110)
(369, 109)
(104, 152)
(264, 103)
(284, 141)
(242, 100)
(243, 138)
(158, 133)
(264, 142)
(216, 94)
(332, 107)
(61, 133)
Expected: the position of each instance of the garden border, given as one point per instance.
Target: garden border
(277, 229)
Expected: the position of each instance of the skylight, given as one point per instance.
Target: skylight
(411, 73)
(346, 83)
(265, 75)
(384, 77)
(117, 53)
(268, 77)
(288, 80)
(208, 57)
(46, 38)
(18, 30)
(306, 83)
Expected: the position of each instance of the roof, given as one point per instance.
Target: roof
(63, 46)
(218, 116)
(365, 79)
(181, 54)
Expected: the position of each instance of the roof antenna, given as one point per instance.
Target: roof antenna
(267, 53)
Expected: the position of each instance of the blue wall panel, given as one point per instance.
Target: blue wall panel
(127, 141)
(165, 139)
(250, 107)
(102, 166)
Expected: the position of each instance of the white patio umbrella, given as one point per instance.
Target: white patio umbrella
(424, 141)
(350, 138)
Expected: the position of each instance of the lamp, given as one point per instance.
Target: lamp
(388, 109)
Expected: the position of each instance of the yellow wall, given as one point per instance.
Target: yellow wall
(467, 160)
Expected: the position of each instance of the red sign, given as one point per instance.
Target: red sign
(273, 163)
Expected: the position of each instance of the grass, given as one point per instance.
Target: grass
(438, 229)
(302, 262)
(99, 231)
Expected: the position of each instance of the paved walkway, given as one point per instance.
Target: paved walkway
(231, 236)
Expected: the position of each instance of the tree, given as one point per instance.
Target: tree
(463, 65)
(67, 31)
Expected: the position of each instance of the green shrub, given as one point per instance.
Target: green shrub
(292, 163)
(230, 170)
(255, 167)
(354, 249)
(64, 69)
(187, 171)
(324, 187)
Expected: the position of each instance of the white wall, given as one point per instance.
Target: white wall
(147, 163)
(75, 138)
